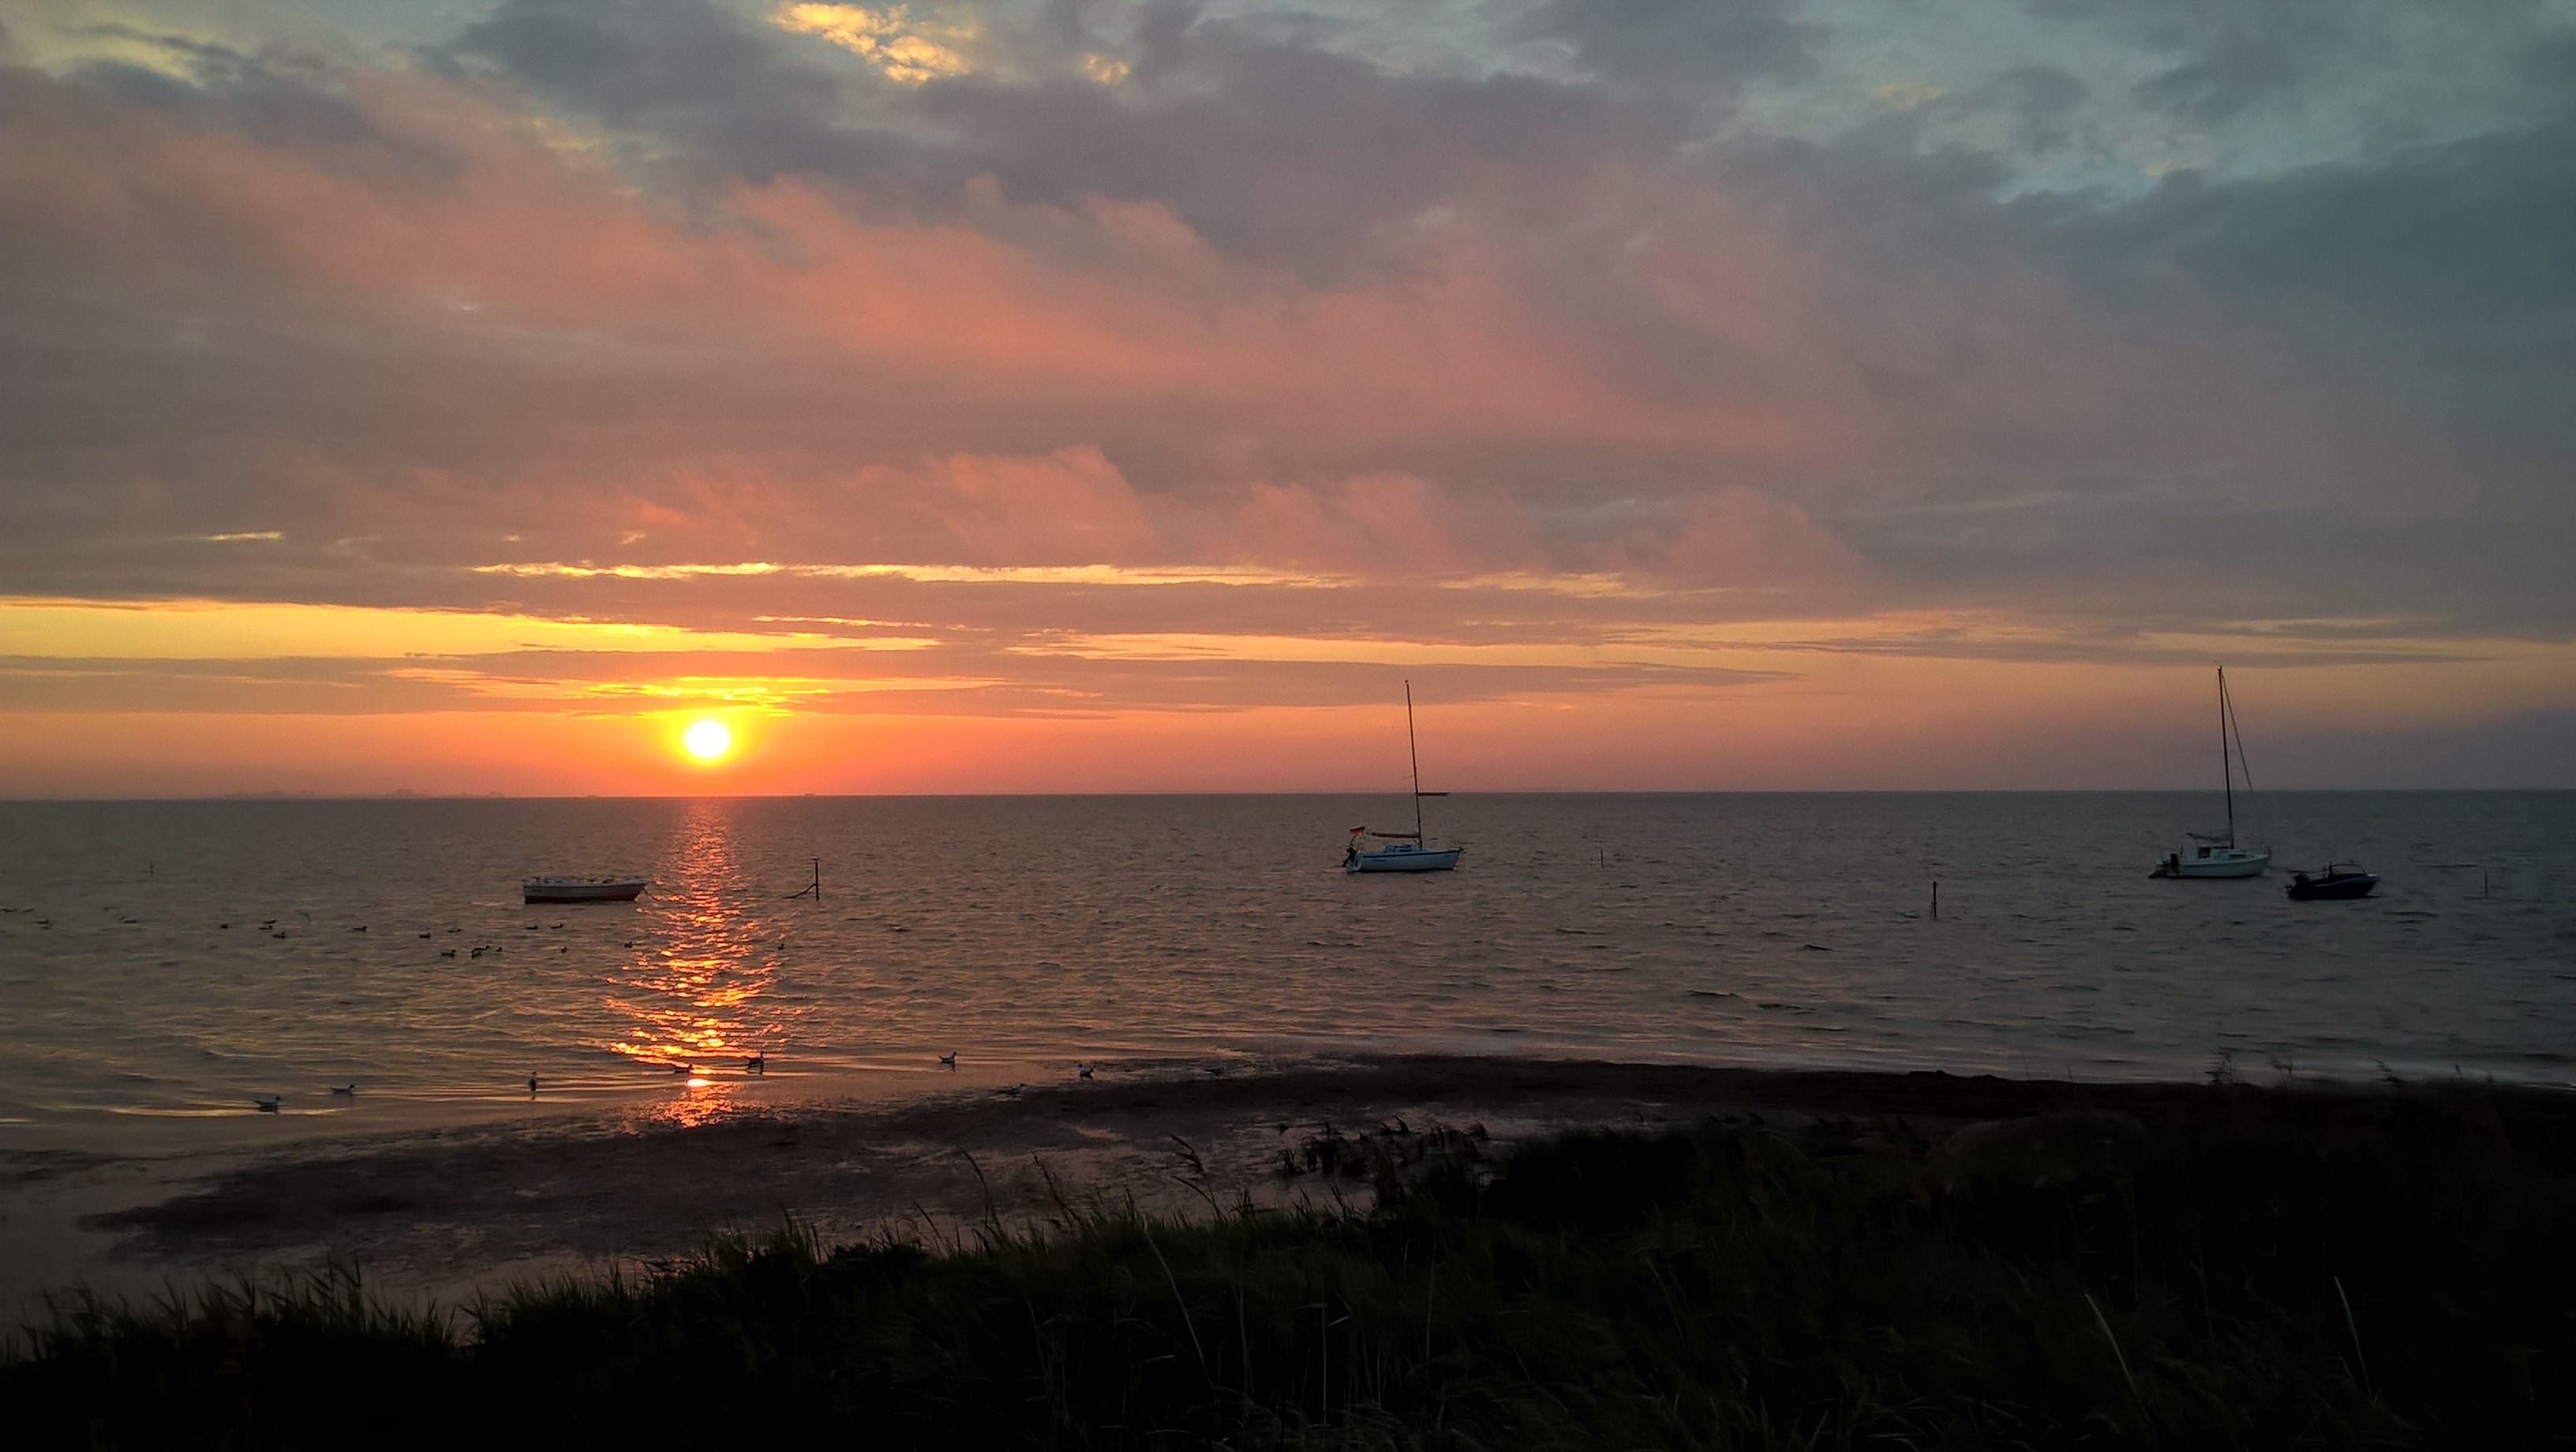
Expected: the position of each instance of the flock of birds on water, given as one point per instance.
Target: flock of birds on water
(757, 1064)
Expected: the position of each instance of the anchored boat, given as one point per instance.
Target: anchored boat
(2334, 880)
(582, 889)
(2215, 854)
(1405, 851)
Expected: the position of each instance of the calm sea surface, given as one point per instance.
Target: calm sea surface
(162, 962)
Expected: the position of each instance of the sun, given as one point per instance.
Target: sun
(707, 740)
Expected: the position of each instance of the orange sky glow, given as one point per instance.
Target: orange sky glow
(948, 400)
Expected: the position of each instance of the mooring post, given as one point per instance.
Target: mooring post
(818, 877)
(1936, 899)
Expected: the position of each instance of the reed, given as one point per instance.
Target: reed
(1739, 1284)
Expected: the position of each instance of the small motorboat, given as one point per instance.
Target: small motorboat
(2334, 880)
(582, 889)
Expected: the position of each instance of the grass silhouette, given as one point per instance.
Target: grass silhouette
(2169, 1267)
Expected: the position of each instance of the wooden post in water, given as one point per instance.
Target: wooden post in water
(818, 877)
(1936, 899)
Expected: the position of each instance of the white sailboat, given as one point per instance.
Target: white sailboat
(1404, 851)
(2215, 854)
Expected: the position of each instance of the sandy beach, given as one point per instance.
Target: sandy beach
(447, 1214)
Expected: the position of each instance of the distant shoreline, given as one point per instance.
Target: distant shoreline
(1301, 792)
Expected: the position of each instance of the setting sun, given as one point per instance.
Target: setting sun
(707, 740)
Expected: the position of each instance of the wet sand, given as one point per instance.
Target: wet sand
(445, 1215)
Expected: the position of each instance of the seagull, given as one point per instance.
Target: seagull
(348, 1090)
(758, 1063)
(267, 1103)
(948, 1060)
(1082, 1071)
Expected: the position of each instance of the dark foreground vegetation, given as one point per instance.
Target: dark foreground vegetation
(2180, 1268)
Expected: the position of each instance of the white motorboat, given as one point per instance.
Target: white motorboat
(2216, 854)
(582, 889)
(1404, 851)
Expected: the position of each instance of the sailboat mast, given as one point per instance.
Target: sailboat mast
(2226, 775)
(1416, 756)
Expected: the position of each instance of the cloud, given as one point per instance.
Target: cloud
(901, 46)
(692, 317)
(1705, 48)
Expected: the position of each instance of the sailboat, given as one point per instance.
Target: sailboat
(2215, 854)
(1404, 851)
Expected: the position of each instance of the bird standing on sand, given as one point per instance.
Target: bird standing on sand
(948, 1060)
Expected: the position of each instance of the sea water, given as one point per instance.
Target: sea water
(162, 963)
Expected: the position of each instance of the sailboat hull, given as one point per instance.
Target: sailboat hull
(2221, 863)
(1404, 857)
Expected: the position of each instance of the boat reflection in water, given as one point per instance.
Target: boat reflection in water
(696, 992)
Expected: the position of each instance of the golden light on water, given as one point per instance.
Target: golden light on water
(707, 740)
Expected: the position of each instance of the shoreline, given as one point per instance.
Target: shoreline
(444, 1215)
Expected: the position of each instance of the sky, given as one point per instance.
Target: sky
(464, 396)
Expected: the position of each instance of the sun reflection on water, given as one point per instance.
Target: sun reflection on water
(697, 990)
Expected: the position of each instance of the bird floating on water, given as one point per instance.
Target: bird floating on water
(684, 1068)
(1082, 1071)
(267, 1103)
(948, 1060)
(1013, 1092)
(347, 1090)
